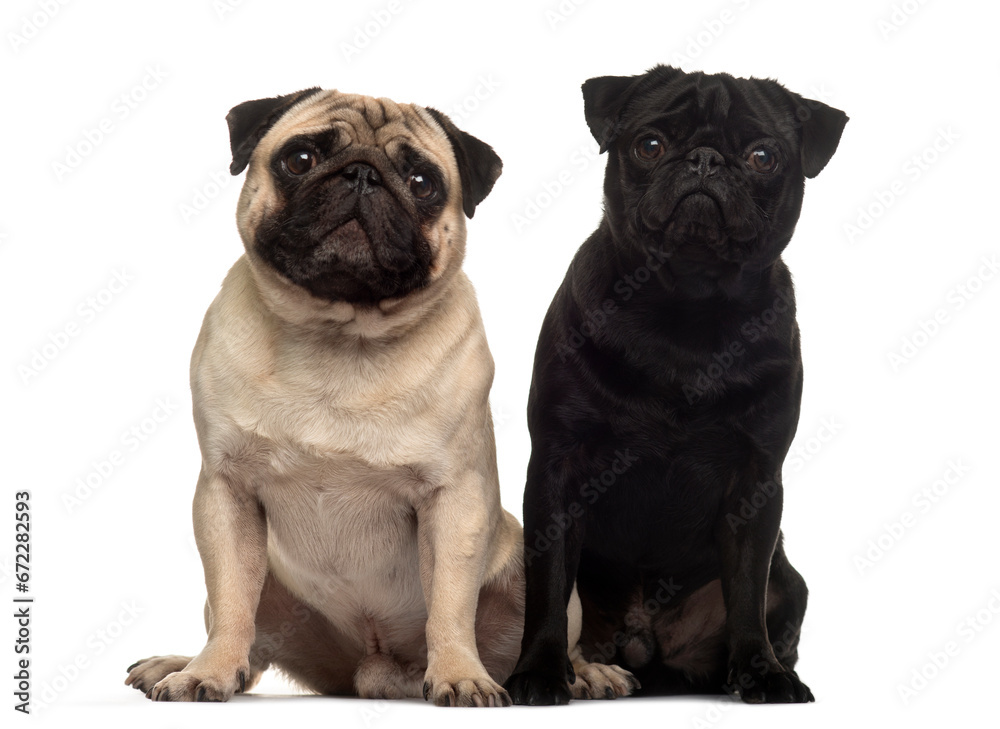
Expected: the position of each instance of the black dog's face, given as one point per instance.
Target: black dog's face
(707, 170)
(353, 198)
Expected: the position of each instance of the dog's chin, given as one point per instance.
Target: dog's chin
(695, 228)
(348, 264)
(701, 259)
(350, 241)
(695, 234)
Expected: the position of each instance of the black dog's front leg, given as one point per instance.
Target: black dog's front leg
(552, 539)
(746, 536)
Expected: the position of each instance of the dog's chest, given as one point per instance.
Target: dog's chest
(343, 537)
(385, 428)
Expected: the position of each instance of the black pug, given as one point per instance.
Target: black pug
(665, 395)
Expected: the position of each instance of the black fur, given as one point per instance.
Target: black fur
(665, 395)
(349, 229)
(249, 122)
(478, 165)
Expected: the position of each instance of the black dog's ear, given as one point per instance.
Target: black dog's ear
(249, 122)
(478, 165)
(605, 97)
(603, 100)
(822, 126)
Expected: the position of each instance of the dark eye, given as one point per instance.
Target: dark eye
(649, 148)
(422, 186)
(762, 160)
(300, 161)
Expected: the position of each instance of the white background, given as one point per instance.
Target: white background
(910, 75)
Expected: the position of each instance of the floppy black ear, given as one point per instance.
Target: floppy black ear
(478, 165)
(249, 122)
(604, 98)
(822, 126)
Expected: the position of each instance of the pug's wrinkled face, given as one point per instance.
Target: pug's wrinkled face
(355, 199)
(708, 169)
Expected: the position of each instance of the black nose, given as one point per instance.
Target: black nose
(361, 178)
(705, 161)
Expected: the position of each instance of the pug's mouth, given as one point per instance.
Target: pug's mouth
(351, 241)
(698, 206)
(349, 260)
(697, 219)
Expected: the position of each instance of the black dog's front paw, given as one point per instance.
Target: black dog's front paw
(536, 688)
(757, 683)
